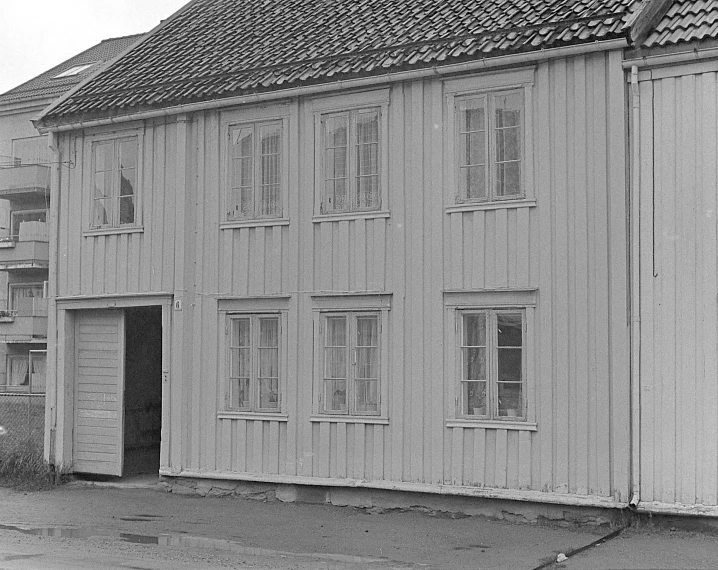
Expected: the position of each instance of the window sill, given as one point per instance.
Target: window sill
(358, 215)
(498, 205)
(112, 231)
(255, 416)
(258, 223)
(350, 419)
(492, 424)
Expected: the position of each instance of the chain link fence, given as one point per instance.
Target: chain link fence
(23, 417)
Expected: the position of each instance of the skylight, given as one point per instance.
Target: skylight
(74, 70)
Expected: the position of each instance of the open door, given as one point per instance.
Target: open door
(99, 387)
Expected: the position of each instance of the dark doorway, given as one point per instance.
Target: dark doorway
(143, 390)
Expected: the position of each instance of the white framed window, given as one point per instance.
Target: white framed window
(115, 176)
(489, 140)
(490, 355)
(492, 363)
(26, 372)
(351, 357)
(351, 154)
(351, 363)
(255, 367)
(489, 131)
(257, 166)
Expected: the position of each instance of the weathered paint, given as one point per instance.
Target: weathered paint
(678, 286)
(565, 244)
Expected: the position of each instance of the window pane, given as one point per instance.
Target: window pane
(508, 110)
(336, 163)
(474, 363)
(472, 182)
(103, 157)
(270, 165)
(335, 395)
(367, 127)
(472, 149)
(103, 184)
(472, 115)
(473, 398)
(19, 371)
(474, 330)
(366, 396)
(336, 131)
(367, 331)
(510, 400)
(336, 331)
(269, 332)
(239, 393)
(128, 154)
(102, 213)
(240, 332)
(507, 136)
(127, 210)
(268, 393)
(241, 198)
(510, 364)
(38, 371)
(510, 329)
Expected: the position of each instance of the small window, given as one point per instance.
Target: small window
(489, 158)
(350, 363)
(492, 356)
(256, 171)
(254, 363)
(74, 70)
(26, 372)
(351, 161)
(114, 183)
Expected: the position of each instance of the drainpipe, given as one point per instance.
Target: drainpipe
(635, 272)
(51, 410)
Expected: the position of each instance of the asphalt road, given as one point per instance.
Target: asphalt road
(80, 527)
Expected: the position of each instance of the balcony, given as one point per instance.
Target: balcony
(30, 249)
(24, 182)
(27, 320)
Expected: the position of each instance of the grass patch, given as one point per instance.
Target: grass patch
(22, 466)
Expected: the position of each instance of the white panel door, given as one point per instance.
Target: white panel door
(99, 386)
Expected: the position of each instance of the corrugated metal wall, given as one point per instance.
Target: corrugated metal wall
(679, 343)
(570, 247)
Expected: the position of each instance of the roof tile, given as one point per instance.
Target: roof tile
(685, 21)
(218, 48)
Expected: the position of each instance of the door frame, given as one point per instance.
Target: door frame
(60, 393)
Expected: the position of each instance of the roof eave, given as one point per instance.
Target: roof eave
(488, 62)
(38, 121)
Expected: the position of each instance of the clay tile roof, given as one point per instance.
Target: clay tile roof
(47, 85)
(685, 21)
(220, 48)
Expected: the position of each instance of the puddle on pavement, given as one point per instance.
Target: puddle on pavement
(184, 541)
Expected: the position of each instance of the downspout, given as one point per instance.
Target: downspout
(635, 273)
(51, 411)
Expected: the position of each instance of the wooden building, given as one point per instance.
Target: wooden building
(385, 247)
(674, 132)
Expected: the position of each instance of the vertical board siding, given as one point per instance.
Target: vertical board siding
(562, 246)
(679, 426)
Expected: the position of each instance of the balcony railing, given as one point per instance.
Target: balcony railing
(24, 180)
(29, 249)
(26, 320)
